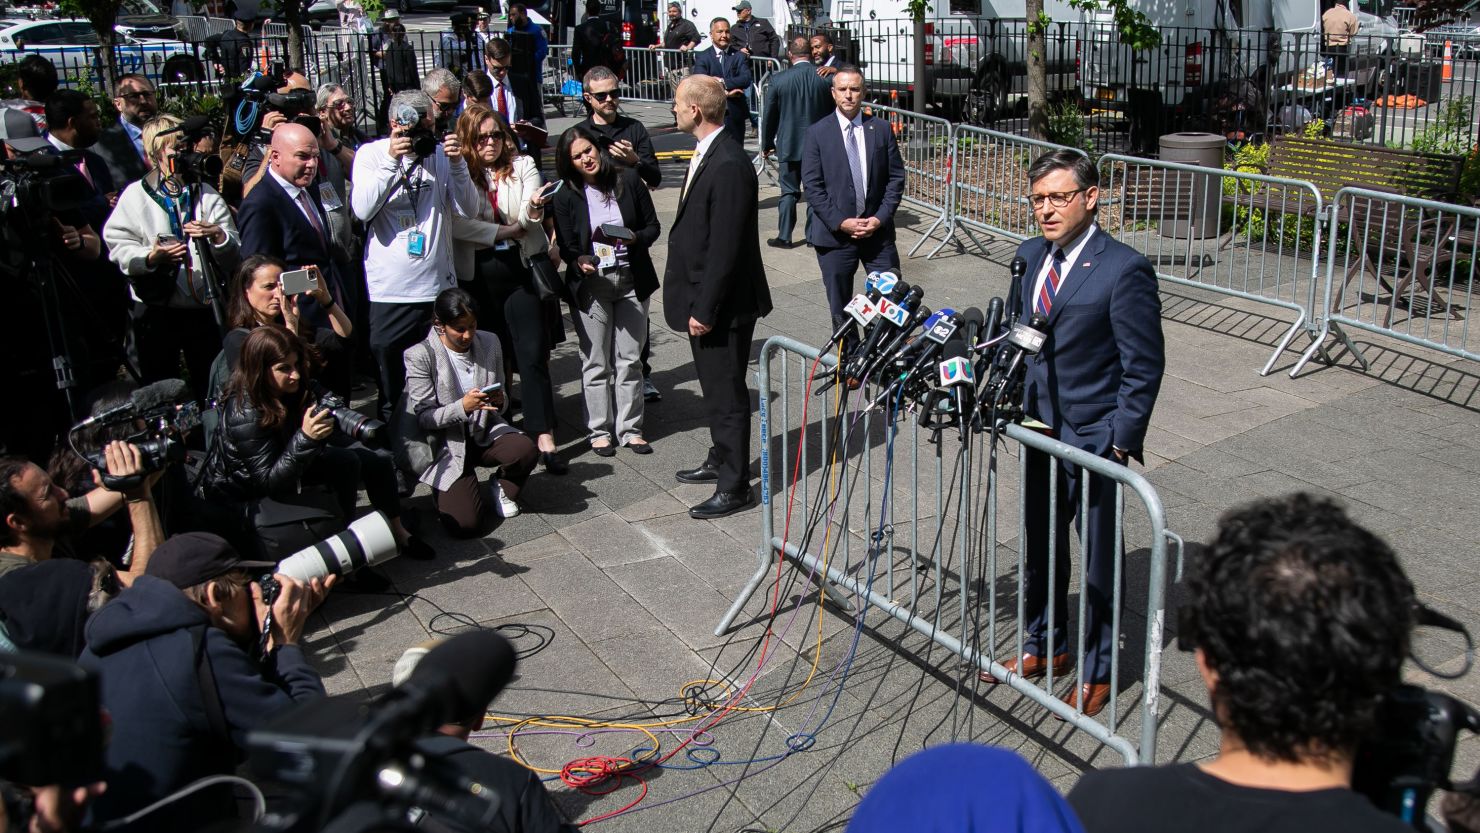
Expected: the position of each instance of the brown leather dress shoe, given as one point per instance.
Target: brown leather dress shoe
(1094, 696)
(1031, 667)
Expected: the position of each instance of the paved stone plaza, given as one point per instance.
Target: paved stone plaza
(622, 589)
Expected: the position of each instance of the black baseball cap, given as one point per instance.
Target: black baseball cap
(197, 557)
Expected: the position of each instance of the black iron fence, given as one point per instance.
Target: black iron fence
(1398, 90)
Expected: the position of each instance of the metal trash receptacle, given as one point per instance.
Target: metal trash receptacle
(1190, 202)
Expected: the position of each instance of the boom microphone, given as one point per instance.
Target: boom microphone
(143, 400)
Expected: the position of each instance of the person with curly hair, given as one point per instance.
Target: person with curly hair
(1299, 619)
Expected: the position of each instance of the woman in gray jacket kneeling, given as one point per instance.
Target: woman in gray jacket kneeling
(454, 383)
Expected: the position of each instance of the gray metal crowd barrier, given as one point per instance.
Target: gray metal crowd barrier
(1399, 266)
(912, 525)
(1244, 235)
(990, 193)
(928, 152)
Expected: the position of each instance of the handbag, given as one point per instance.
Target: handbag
(547, 281)
(284, 526)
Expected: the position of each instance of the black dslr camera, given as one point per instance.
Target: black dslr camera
(352, 423)
(424, 140)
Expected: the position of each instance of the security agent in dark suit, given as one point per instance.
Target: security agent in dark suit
(795, 99)
(1093, 385)
(848, 229)
(732, 67)
(283, 217)
(714, 288)
(121, 145)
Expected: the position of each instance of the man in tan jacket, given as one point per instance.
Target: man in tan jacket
(1338, 24)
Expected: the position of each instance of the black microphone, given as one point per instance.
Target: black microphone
(971, 326)
(1023, 340)
(460, 677)
(892, 317)
(923, 352)
(896, 343)
(1015, 291)
(956, 374)
(143, 400)
(994, 318)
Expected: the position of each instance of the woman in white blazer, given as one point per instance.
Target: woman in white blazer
(161, 234)
(491, 255)
(450, 379)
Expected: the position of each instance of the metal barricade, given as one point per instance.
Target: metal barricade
(653, 74)
(557, 70)
(909, 523)
(1243, 235)
(990, 184)
(1407, 270)
(928, 152)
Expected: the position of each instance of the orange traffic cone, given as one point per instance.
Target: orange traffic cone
(1447, 73)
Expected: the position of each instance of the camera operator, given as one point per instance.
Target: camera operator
(181, 678)
(1300, 620)
(252, 173)
(39, 518)
(405, 192)
(524, 803)
(276, 437)
(160, 234)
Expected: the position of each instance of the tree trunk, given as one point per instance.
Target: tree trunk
(1037, 72)
(102, 23)
(293, 16)
(922, 91)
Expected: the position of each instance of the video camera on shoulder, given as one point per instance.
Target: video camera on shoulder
(258, 96)
(156, 419)
(191, 166)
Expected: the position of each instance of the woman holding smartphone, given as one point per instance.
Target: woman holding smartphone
(258, 298)
(454, 383)
(605, 224)
(161, 233)
(491, 255)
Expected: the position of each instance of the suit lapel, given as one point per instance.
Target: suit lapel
(699, 172)
(1079, 273)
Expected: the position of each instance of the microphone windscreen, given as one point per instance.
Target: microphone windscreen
(972, 316)
(164, 392)
(954, 348)
(466, 672)
(1019, 266)
(195, 124)
(1039, 321)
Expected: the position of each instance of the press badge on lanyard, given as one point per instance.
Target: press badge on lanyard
(416, 243)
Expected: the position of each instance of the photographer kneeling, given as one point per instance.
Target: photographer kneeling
(278, 433)
(177, 657)
(454, 384)
(1300, 619)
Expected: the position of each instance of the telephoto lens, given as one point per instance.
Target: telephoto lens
(352, 423)
(366, 543)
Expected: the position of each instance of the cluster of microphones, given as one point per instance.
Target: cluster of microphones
(956, 368)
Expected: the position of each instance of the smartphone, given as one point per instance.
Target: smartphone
(299, 281)
(616, 232)
(558, 184)
(166, 240)
(491, 388)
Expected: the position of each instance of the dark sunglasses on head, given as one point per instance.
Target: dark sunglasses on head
(603, 96)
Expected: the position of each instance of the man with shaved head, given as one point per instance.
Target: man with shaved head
(284, 217)
(293, 80)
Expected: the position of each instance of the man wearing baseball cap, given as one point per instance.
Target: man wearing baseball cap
(755, 36)
(177, 655)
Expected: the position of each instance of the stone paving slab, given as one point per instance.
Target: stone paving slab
(606, 565)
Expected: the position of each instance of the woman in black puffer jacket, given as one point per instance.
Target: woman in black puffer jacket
(275, 438)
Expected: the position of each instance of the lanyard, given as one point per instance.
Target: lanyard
(410, 193)
(171, 207)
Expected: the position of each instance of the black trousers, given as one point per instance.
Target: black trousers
(789, 175)
(519, 318)
(720, 358)
(1099, 559)
(345, 467)
(393, 328)
(840, 263)
(160, 334)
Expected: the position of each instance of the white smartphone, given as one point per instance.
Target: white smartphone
(491, 388)
(554, 188)
(299, 281)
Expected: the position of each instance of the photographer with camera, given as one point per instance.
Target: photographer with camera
(1300, 620)
(161, 234)
(280, 432)
(38, 518)
(407, 188)
(185, 673)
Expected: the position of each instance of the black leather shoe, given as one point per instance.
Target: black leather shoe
(553, 464)
(778, 243)
(607, 450)
(706, 473)
(723, 504)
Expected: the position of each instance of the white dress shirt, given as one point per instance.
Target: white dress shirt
(857, 137)
(503, 88)
(293, 192)
(699, 151)
(1071, 256)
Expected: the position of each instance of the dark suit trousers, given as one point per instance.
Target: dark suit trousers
(736, 117)
(720, 357)
(1098, 555)
(840, 263)
(393, 328)
(790, 176)
(160, 334)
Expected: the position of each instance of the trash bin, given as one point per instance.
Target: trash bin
(1190, 202)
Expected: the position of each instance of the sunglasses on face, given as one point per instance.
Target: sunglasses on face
(603, 96)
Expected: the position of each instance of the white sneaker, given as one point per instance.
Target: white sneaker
(506, 507)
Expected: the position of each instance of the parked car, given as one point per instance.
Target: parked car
(72, 45)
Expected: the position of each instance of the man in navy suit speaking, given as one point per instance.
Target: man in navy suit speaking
(1093, 385)
(853, 176)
